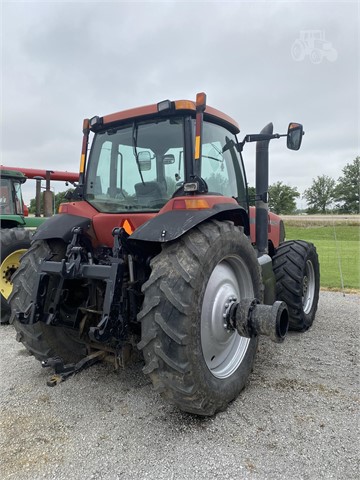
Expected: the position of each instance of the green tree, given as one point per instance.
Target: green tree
(251, 193)
(347, 191)
(282, 198)
(59, 198)
(32, 207)
(320, 195)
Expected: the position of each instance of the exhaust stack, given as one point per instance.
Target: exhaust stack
(262, 187)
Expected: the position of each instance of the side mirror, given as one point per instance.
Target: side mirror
(294, 136)
(168, 159)
(69, 194)
(144, 161)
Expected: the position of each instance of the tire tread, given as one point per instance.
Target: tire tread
(289, 269)
(166, 325)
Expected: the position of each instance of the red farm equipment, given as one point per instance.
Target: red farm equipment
(158, 250)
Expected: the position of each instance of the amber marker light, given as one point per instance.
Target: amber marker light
(126, 225)
(86, 124)
(86, 130)
(200, 108)
(201, 100)
(82, 163)
(86, 127)
(184, 105)
(190, 204)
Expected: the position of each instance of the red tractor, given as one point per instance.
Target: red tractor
(159, 250)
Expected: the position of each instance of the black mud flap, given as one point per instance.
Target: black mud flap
(61, 226)
(172, 225)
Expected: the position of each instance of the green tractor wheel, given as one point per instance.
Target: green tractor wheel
(14, 243)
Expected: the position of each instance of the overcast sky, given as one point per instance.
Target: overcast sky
(64, 61)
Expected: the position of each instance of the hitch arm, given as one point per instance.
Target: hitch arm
(63, 372)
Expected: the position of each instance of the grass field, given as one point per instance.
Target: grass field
(338, 246)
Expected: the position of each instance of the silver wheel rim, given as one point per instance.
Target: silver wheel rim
(308, 287)
(224, 349)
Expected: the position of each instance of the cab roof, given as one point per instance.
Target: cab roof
(12, 174)
(178, 106)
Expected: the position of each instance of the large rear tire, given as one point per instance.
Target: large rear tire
(41, 340)
(297, 273)
(14, 243)
(190, 356)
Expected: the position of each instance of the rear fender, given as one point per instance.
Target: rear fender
(173, 224)
(60, 226)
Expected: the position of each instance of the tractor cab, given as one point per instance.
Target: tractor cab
(138, 164)
(11, 202)
(179, 157)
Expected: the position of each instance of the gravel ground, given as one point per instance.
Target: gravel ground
(297, 418)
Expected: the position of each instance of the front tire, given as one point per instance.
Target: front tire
(41, 340)
(190, 356)
(14, 243)
(297, 272)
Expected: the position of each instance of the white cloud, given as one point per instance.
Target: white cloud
(63, 61)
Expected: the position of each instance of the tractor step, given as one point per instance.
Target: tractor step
(63, 372)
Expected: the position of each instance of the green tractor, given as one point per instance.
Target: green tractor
(17, 227)
(16, 232)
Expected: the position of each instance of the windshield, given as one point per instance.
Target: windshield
(136, 167)
(10, 197)
(221, 166)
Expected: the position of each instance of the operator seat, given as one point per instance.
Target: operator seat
(148, 193)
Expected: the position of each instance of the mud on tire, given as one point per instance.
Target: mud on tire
(297, 272)
(41, 340)
(14, 242)
(192, 360)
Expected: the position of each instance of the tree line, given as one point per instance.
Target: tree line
(324, 194)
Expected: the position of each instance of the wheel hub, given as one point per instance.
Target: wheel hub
(226, 315)
(8, 267)
(223, 348)
(305, 285)
(308, 287)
